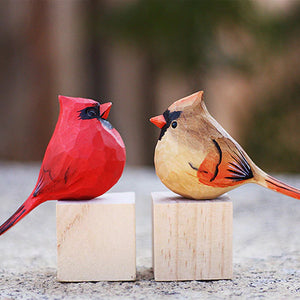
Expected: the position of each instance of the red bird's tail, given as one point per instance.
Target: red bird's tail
(278, 186)
(23, 210)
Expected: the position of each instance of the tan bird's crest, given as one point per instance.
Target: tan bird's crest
(192, 100)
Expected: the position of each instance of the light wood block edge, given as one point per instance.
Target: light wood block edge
(96, 239)
(192, 239)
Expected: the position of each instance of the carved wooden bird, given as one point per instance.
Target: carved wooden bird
(84, 159)
(196, 158)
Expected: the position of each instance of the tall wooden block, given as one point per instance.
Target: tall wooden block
(192, 239)
(96, 239)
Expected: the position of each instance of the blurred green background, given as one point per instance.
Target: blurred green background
(143, 55)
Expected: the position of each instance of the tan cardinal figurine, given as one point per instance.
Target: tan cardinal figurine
(196, 158)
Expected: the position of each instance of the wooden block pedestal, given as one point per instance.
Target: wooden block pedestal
(96, 239)
(192, 239)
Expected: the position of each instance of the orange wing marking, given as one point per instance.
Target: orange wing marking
(222, 169)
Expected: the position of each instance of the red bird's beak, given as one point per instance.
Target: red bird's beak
(159, 121)
(105, 109)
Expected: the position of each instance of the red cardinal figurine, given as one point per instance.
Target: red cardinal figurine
(85, 157)
(196, 158)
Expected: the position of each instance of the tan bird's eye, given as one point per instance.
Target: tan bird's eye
(174, 124)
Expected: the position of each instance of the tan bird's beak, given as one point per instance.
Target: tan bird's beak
(159, 121)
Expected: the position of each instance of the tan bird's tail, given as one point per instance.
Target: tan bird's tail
(280, 187)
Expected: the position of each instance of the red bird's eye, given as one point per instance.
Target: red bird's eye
(89, 113)
(92, 112)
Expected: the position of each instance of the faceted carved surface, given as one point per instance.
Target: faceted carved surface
(84, 159)
(196, 158)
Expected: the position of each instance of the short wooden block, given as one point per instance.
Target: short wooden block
(96, 239)
(192, 239)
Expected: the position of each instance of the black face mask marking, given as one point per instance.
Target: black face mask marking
(93, 112)
(170, 117)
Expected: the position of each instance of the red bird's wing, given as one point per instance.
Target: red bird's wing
(225, 165)
(54, 174)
